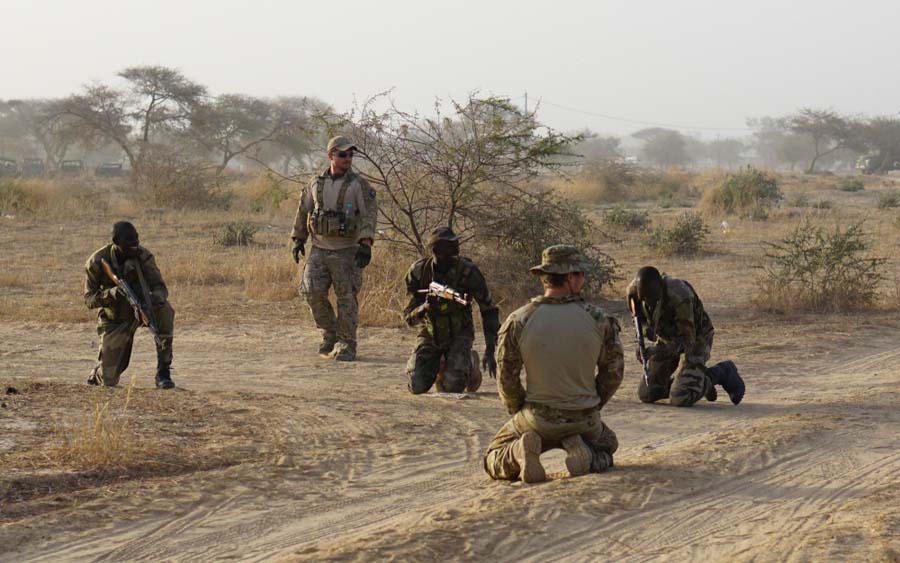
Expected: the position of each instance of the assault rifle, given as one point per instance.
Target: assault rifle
(639, 338)
(142, 314)
(442, 291)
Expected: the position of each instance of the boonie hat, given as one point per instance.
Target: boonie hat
(561, 259)
(442, 233)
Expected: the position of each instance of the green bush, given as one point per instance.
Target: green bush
(743, 192)
(815, 270)
(888, 200)
(823, 204)
(626, 218)
(685, 236)
(797, 199)
(238, 233)
(851, 184)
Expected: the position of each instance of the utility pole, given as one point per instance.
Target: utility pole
(526, 102)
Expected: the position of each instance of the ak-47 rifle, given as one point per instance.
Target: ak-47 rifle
(144, 315)
(442, 291)
(639, 338)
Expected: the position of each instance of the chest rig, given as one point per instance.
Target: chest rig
(448, 318)
(340, 222)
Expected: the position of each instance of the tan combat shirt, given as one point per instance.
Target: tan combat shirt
(570, 350)
(359, 197)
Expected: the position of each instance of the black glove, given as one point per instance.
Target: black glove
(298, 249)
(363, 255)
(489, 360)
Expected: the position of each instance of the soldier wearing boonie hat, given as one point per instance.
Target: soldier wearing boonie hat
(572, 356)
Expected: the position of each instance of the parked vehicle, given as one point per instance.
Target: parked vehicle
(9, 167)
(71, 168)
(109, 170)
(33, 168)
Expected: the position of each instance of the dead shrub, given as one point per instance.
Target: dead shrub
(813, 269)
(164, 177)
(626, 218)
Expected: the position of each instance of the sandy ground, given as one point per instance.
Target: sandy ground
(322, 461)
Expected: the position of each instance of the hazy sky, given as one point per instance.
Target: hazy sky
(692, 63)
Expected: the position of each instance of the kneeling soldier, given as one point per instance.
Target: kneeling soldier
(573, 363)
(126, 260)
(448, 332)
(670, 312)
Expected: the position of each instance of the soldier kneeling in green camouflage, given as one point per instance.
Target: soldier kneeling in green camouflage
(448, 333)
(573, 363)
(118, 320)
(670, 312)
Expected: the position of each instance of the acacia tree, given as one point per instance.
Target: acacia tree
(725, 152)
(882, 136)
(453, 170)
(828, 131)
(28, 119)
(664, 147)
(155, 101)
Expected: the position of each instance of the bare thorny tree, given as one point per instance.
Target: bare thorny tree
(455, 170)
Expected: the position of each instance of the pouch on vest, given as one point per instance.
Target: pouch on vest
(341, 222)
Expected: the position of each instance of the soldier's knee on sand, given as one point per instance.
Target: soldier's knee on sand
(651, 394)
(417, 386)
(684, 399)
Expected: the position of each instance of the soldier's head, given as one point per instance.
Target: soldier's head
(125, 237)
(340, 155)
(649, 284)
(444, 245)
(562, 267)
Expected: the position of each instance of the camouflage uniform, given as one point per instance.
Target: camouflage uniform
(331, 261)
(448, 330)
(572, 355)
(116, 321)
(683, 328)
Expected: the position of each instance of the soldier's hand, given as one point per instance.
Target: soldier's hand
(489, 360)
(109, 295)
(299, 249)
(363, 255)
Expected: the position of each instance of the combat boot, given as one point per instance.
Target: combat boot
(726, 374)
(164, 378)
(346, 353)
(527, 451)
(327, 346)
(578, 455)
(601, 461)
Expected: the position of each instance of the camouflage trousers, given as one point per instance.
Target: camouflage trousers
(428, 359)
(680, 377)
(553, 425)
(117, 341)
(325, 269)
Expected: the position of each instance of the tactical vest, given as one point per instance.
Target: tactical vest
(449, 318)
(341, 222)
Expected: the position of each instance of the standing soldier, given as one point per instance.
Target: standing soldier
(338, 210)
(448, 331)
(670, 312)
(117, 321)
(573, 366)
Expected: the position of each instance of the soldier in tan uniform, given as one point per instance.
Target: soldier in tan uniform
(338, 212)
(680, 332)
(116, 320)
(573, 362)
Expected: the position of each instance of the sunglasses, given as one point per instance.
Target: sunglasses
(344, 154)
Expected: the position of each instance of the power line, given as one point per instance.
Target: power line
(641, 122)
